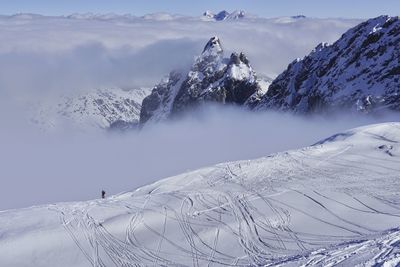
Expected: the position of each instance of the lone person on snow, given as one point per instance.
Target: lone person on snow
(103, 194)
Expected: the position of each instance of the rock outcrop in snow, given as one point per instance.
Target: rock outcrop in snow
(360, 71)
(212, 78)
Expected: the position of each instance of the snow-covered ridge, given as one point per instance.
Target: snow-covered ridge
(98, 108)
(212, 78)
(360, 72)
(334, 203)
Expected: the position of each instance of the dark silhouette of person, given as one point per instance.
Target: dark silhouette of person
(103, 194)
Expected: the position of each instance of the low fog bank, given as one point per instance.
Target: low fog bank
(92, 66)
(38, 168)
(53, 53)
(47, 56)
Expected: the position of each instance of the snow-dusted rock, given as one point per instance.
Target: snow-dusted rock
(212, 78)
(224, 15)
(360, 71)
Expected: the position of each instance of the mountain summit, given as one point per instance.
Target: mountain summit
(360, 72)
(213, 46)
(212, 78)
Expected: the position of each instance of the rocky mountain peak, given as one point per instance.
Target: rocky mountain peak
(213, 47)
(239, 58)
(222, 15)
(212, 78)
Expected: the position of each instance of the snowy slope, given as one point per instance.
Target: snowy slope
(97, 108)
(335, 202)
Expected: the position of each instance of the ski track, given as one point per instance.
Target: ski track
(260, 240)
(297, 208)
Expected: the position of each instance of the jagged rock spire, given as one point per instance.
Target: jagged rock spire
(212, 78)
(213, 46)
(238, 58)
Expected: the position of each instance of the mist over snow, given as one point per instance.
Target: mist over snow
(42, 168)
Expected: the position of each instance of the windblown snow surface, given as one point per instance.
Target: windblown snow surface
(335, 202)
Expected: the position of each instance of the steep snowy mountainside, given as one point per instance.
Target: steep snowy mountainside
(334, 203)
(98, 108)
(360, 72)
(212, 78)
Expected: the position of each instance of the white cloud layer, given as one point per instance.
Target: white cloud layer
(41, 56)
(53, 52)
(41, 168)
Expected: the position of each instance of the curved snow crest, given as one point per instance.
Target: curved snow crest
(334, 203)
(370, 130)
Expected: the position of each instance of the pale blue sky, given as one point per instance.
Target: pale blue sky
(266, 8)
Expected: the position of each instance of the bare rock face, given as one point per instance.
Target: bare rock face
(360, 72)
(212, 78)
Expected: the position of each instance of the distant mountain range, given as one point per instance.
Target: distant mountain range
(159, 16)
(224, 15)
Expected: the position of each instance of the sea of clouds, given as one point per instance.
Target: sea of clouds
(45, 56)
